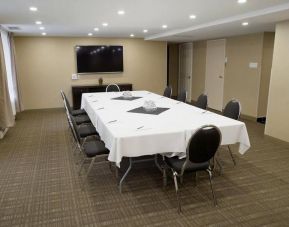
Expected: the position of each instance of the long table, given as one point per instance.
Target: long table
(129, 134)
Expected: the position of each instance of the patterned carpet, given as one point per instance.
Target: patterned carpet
(40, 186)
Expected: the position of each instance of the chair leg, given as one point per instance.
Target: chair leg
(210, 177)
(177, 191)
(164, 177)
(90, 166)
(220, 166)
(234, 161)
(81, 166)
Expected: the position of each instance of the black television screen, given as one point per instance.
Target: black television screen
(99, 59)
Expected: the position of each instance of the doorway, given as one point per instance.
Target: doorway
(185, 68)
(215, 71)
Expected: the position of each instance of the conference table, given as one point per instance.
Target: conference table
(128, 130)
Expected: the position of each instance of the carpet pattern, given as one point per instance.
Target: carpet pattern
(40, 186)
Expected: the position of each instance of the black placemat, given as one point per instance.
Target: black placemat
(127, 99)
(141, 110)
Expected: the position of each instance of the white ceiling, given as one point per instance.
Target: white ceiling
(215, 18)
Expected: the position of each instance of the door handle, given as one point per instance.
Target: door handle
(221, 77)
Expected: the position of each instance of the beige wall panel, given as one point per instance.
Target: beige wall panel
(268, 46)
(45, 65)
(278, 102)
(242, 82)
(199, 68)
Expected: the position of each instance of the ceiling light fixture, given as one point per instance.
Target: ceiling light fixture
(38, 22)
(145, 31)
(104, 24)
(120, 12)
(96, 29)
(41, 28)
(43, 33)
(33, 8)
(245, 23)
(242, 1)
(131, 35)
(164, 26)
(193, 16)
(89, 34)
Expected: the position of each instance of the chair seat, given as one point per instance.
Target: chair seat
(80, 119)
(78, 112)
(87, 130)
(94, 147)
(177, 165)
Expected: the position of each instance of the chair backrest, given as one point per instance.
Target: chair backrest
(66, 102)
(168, 92)
(203, 144)
(74, 129)
(202, 101)
(232, 109)
(182, 96)
(112, 87)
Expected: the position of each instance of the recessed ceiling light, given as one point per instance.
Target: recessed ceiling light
(245, 23)
(131, 35)
(193, 16)
(164, 26)
(145, 30)
(120, 12)
(242, 1)
(96, 29)
(89, 34)
(33, 8)
(41, 28)
(104, 24)
(38, 22)
(43, 33)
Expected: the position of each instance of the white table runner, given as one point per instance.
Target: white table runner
(168, 132)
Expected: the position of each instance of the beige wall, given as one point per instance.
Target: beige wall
(242, 82)
(199, 68)
(278, 105)
(174, 67)
(45, 65)
(268, 46)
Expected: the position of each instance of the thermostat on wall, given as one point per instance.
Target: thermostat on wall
(74, 76)
(253, 65)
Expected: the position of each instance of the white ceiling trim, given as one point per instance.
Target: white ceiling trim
(246, 16)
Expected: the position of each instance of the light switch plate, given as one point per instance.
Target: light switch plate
(253, 65)
(74, 76)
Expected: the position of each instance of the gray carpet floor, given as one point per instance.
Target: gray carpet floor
(40, 186)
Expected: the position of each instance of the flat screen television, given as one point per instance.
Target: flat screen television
(99, 59)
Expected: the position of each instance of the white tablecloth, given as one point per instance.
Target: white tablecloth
(167, 132)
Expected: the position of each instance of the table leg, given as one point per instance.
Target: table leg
(125, 174)
(157, 163)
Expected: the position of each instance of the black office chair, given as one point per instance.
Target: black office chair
(232, 110)
(90, 146)
(168, 92)
(112, 87)
(79, 116)
(182, 96)
(200, 150)
(202, 102)
(66, 102)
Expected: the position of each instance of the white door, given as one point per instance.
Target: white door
(185, 68)
(215, 70)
